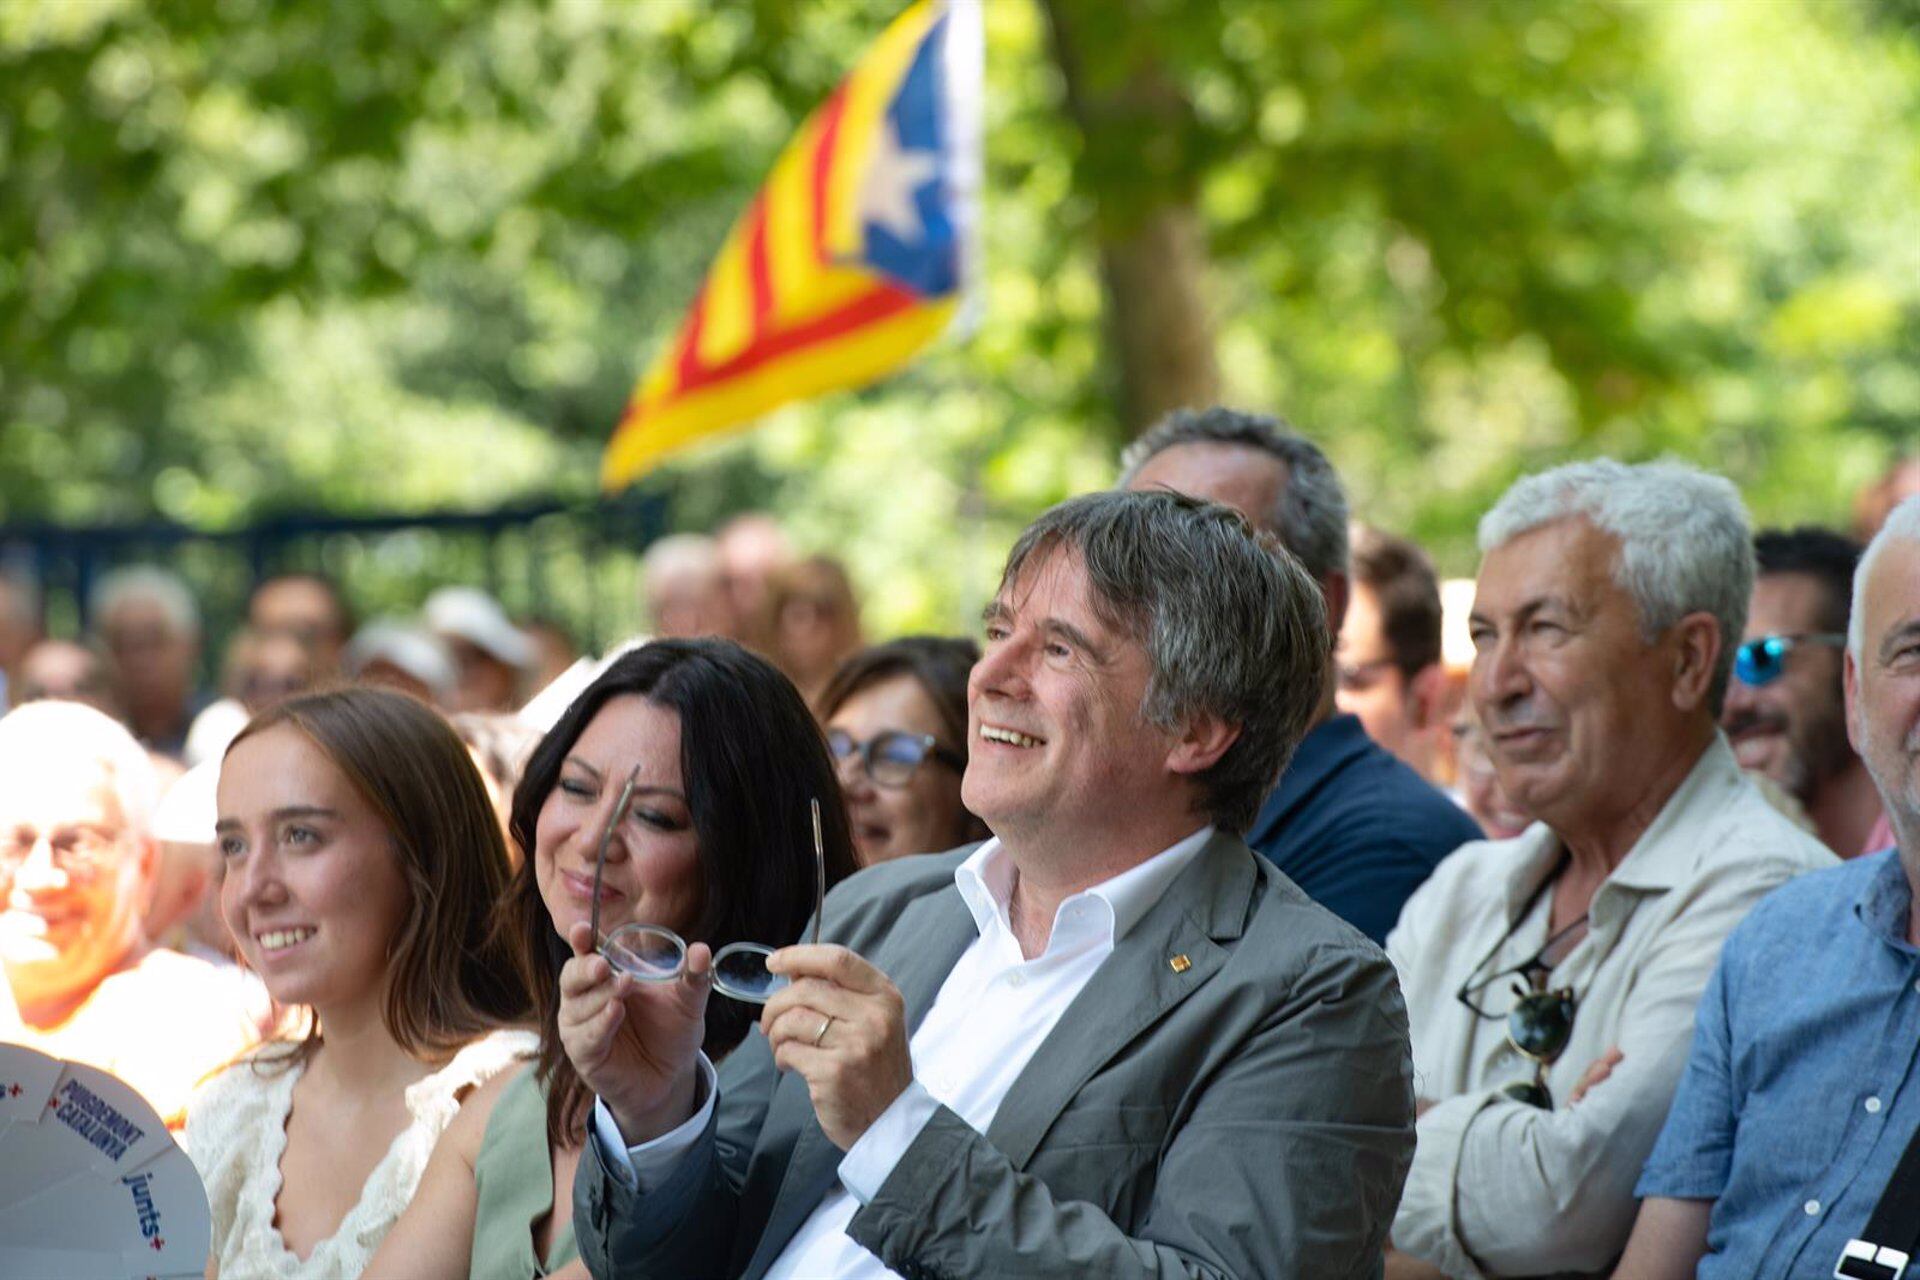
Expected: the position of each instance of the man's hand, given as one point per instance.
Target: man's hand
(842, 1026)
(635, 1044)
(1601, 1068)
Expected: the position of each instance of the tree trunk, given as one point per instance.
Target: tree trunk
(1135, 163)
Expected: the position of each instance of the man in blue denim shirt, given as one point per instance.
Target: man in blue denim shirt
(1803, 1089)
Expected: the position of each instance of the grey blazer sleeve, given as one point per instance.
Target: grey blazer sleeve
(1290, 1164)
(685, 1226)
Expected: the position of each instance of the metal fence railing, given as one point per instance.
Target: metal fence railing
(570, 563)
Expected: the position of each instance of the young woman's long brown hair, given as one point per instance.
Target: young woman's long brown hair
(751, 757)
(451, 978)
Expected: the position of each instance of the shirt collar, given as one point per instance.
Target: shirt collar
(1668, 849)
(1884, 905)
(1665, 852)
(986, 879)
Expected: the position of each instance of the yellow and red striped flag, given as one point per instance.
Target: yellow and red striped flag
(854, 255)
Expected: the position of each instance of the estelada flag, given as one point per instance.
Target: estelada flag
(852, 257)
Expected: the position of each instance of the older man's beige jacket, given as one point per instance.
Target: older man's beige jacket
(1499, 1188)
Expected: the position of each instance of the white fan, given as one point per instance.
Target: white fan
(92, 1187)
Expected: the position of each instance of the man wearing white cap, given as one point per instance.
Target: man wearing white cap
(488, 650)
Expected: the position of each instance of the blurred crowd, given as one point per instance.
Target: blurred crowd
(1606, 859)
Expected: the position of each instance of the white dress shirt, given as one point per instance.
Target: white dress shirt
(991, 1014)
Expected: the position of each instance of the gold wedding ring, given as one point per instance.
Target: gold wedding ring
(821, 1034)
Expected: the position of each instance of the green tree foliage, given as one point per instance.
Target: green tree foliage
(398, 253)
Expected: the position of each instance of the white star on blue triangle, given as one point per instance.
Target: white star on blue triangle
(905, 197)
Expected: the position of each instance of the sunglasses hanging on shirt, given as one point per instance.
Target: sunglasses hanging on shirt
(1540, 1023)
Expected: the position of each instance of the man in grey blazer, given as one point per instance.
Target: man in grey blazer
(1108, 1042)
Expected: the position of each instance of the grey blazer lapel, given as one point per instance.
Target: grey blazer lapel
(1136, 986)
(918, 953)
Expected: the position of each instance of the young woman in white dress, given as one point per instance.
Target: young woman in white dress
(362, 864)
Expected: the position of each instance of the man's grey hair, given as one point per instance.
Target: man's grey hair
(1684, 542)
(74, 736)
(1232, 625)
(681, 553)
(146, 582)
(1310, 513)
(1903, 525)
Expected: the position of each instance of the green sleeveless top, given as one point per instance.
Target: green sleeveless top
(514, 1175)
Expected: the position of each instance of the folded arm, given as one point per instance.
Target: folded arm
(1516, 1190)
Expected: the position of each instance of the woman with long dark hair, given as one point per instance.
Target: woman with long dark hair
(715, 844)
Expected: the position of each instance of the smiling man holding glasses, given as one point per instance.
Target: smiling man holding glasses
(1110, 1041)
(1603, 622)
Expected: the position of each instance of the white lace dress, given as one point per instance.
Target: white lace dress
(237, 1132)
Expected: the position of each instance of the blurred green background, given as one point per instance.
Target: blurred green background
(409, 254)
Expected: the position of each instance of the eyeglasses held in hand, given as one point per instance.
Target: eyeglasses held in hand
(655, 953)
(891, 757)
(1760, 660)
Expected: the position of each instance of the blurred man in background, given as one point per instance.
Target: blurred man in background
(68, 671)
(683, 587)
(308, 607)
(1351, 825)
(1388, 662)
(19, 629)
(1785, 712)
(1477, 782)
(77, 870)
(150, 626)
(753, 551)
(816, 622)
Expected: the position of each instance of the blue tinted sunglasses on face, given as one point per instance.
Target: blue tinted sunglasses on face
(1761, 660)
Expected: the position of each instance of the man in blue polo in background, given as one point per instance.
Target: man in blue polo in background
(1354, 827)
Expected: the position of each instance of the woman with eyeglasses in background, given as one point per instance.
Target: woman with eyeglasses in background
(896, 720)
(715, 843)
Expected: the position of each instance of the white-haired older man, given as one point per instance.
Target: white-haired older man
(1800, 1108)
(1608, 604)
(77, 863)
